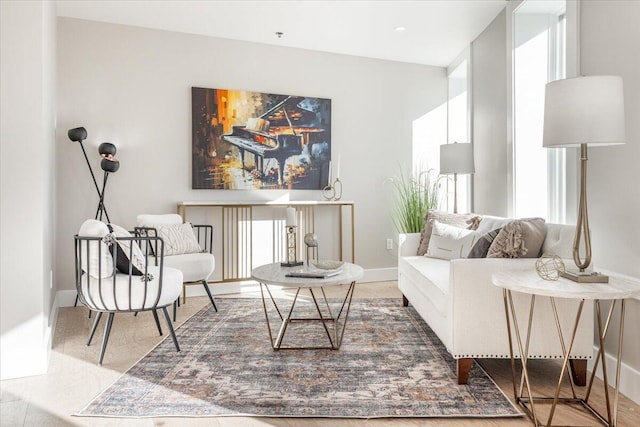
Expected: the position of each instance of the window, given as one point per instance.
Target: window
(539, 41)
(458, 129)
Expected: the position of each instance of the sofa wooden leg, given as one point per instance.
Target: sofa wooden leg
(405, 301)
(578, 371)
(464, 366)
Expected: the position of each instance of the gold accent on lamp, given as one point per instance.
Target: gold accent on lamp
(454, 159)
(584, 111)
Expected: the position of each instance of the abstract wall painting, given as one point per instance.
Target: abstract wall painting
(251, 140)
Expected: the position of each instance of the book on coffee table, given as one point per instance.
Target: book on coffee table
(319, 274)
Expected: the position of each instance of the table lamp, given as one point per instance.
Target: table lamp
(584, 111)
(454, 159)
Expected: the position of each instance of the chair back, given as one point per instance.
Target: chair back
(101, 287)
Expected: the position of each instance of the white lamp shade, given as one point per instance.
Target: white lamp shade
(291, 220)
(584, 110)
(456, 158)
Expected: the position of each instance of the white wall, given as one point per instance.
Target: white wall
(610, 44)
(131, 86)
(489, 104)
(27, 208)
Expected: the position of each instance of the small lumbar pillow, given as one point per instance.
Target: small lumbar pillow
(96, 259)
(121, 250)
(465, 221)
(178, 239)
(521, 238)
(449, 242)
(481, 247)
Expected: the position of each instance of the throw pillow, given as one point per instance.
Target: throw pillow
(178, 239)
(96, 259)
(483, 243)
(449, 242)
(521, 238)
(122, 249)
(469, 221)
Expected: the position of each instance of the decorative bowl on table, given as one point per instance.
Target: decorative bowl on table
(327, 264)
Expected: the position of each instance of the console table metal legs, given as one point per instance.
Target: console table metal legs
(334, 326)
(525, 398)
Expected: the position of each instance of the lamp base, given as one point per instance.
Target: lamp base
(585, 276)
(291, 264)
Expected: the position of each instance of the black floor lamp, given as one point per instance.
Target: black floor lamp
(109, 164)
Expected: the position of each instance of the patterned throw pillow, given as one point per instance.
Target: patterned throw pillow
(178, 239)
(449, 242)
(521, 238)
(121, 249)
(481, 247)
(469, 221)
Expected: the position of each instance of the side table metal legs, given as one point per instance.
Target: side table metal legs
(334, 326)
(526, 400)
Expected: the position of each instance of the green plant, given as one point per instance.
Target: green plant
(415, 193)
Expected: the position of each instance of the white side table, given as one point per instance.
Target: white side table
(529, 282)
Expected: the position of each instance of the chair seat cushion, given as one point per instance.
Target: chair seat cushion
(99, 294)
(194, 267)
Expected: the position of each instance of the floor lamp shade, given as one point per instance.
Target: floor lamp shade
(584, 110)
(581, 112)
(456, 158)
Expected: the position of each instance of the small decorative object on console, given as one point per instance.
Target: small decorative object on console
(549, 267)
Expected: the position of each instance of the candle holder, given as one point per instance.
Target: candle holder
(292, 260)
(333, 191)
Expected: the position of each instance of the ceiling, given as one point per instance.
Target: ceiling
(436, 31)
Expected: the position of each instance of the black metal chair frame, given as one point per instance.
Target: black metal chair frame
(90, 302)
(204, 235)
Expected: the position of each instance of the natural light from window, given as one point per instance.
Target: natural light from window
(539, 186)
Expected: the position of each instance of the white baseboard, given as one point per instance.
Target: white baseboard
(67, 298)
(629, 377)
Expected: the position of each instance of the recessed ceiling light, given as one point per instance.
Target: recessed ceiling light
(400, 28)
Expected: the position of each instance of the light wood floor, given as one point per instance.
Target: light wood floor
(74, 379)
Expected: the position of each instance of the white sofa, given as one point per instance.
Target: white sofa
(462, 306)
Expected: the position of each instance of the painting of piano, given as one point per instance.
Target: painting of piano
(252, 140)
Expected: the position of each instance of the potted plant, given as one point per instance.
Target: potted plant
(415, 193)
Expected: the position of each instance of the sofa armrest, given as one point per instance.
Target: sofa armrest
(408, 244)
(478, 318)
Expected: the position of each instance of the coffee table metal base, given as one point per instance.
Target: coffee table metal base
(334, 326)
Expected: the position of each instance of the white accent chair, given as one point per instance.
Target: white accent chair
(104, 289)
(196, 267)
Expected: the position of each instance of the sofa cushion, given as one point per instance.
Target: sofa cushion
(469, 221)
(489, 223)
(449, 242)
(481, 247)
(432, 277)
(521, 238)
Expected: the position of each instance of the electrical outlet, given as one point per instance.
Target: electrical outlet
(389, 244)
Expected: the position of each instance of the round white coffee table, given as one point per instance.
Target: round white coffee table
(275, 275)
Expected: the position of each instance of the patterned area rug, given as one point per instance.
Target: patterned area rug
(390, 365)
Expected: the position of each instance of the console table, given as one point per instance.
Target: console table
(529, 282)
(235, 222)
